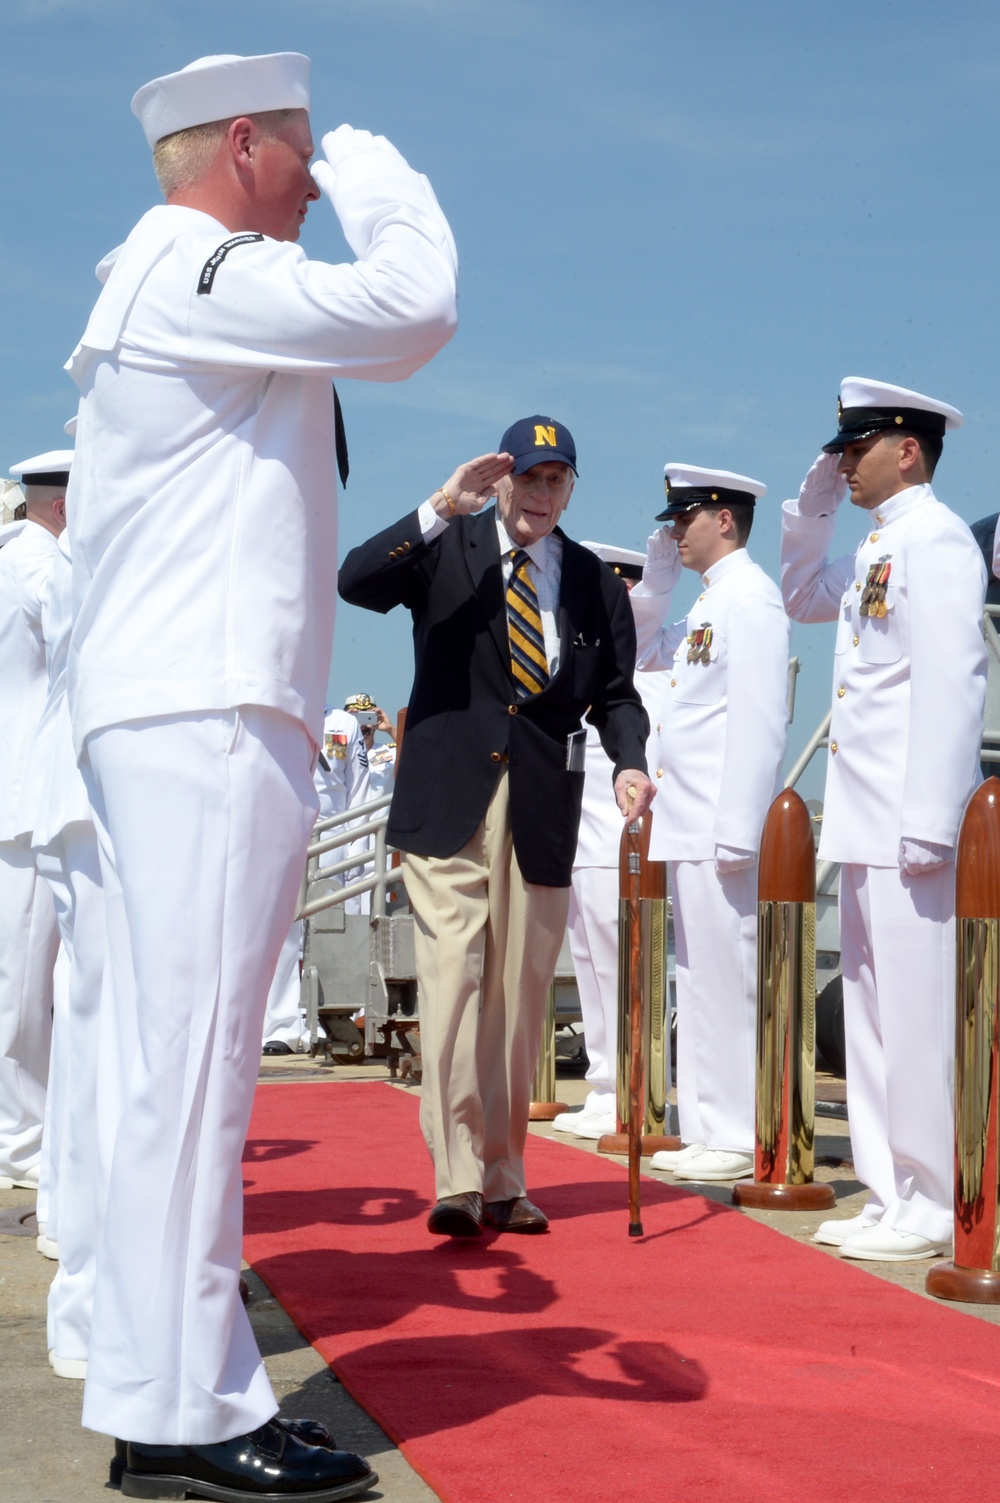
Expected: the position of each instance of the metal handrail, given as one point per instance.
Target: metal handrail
(382, 877)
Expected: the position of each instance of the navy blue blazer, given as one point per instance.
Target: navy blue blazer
(465, 722)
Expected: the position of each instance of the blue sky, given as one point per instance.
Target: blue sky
(679, 226)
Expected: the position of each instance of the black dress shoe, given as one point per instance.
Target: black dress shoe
(276, 1046)
(310, 1431)
(267, 1466)
(517, 1215)
(457, 1215)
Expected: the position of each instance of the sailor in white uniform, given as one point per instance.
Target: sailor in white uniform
(592, 923)
(908, 691)
(29, 938)
(721, 743)
(196, 680)
(341, 779)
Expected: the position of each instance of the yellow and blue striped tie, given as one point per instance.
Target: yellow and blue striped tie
(528, 662)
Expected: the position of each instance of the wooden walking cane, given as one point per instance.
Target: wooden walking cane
(632, 862)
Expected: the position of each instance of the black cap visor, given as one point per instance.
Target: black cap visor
(859, 423)
(681, 499)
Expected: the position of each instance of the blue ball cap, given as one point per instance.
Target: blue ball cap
(533, 440)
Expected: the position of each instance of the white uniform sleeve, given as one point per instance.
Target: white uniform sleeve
(655, 643)
(757, 644)
(945, 588)
(269, 306)
(811, 587)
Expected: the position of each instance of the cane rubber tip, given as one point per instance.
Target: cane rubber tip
(635, 1228)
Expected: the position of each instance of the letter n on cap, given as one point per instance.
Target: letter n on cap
(544, 436)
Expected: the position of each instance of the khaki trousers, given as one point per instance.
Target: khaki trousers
(486, 948)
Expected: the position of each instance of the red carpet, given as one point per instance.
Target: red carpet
(713, 1361)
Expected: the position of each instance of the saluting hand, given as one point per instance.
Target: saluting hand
(472, 485)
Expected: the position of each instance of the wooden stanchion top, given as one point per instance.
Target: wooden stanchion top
(787, 869)
(977, 876)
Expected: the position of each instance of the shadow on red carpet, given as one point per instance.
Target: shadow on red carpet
(712, 1359)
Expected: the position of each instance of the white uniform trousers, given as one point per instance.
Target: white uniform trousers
(203, 820)
(47, 1199)
(486, 947)
(897, 938)
(71, 867)
(283, 1020)
(715, 940)
(29, 941)
(593, 944)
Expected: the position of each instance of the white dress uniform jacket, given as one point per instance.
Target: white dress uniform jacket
(909, 686)
(234, 341)
(719, 741)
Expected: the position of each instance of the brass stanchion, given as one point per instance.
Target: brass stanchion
(974, 1274)
(544, 1106)
(642, 993)
(786, 1016)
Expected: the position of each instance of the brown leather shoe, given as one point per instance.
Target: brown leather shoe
(457, 1215)
(517, 1215)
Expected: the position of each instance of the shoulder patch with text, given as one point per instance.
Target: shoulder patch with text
(217, 257)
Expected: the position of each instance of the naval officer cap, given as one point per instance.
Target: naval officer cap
(688, 486)
(624, 562)
(866, 407)
(51, 468)
(537, 440)
(219, 88)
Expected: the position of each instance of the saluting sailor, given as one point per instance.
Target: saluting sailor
(28, 935)
(720, 744)
(203, 522)
(909, 683)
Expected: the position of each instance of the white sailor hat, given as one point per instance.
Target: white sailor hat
(688, 486)
(867, 407)
(69, 427)
(624, 561)
(51, 468)
(218, 88)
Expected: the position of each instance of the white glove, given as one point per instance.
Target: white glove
(918, 857)
(823, 489)
(662, 568)
(728, 860)
(337, 145)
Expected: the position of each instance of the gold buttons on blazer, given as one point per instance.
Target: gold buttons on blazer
(856, 641)
(406, 547)
(833, 747)
(841, 692)
(673, 685)
(857, 584)
(512, 709)
(494, 756)
(873, 538)
(659, 772)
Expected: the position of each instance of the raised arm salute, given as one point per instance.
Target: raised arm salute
(908, 690)
(204, 555)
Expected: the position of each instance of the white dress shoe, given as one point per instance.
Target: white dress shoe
(836, 1233)
(28, 1181)
(886, 1244)
(591, 1125)
(47, 1246)
(68, 1367)
(669, 1158)
(716, 1163)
